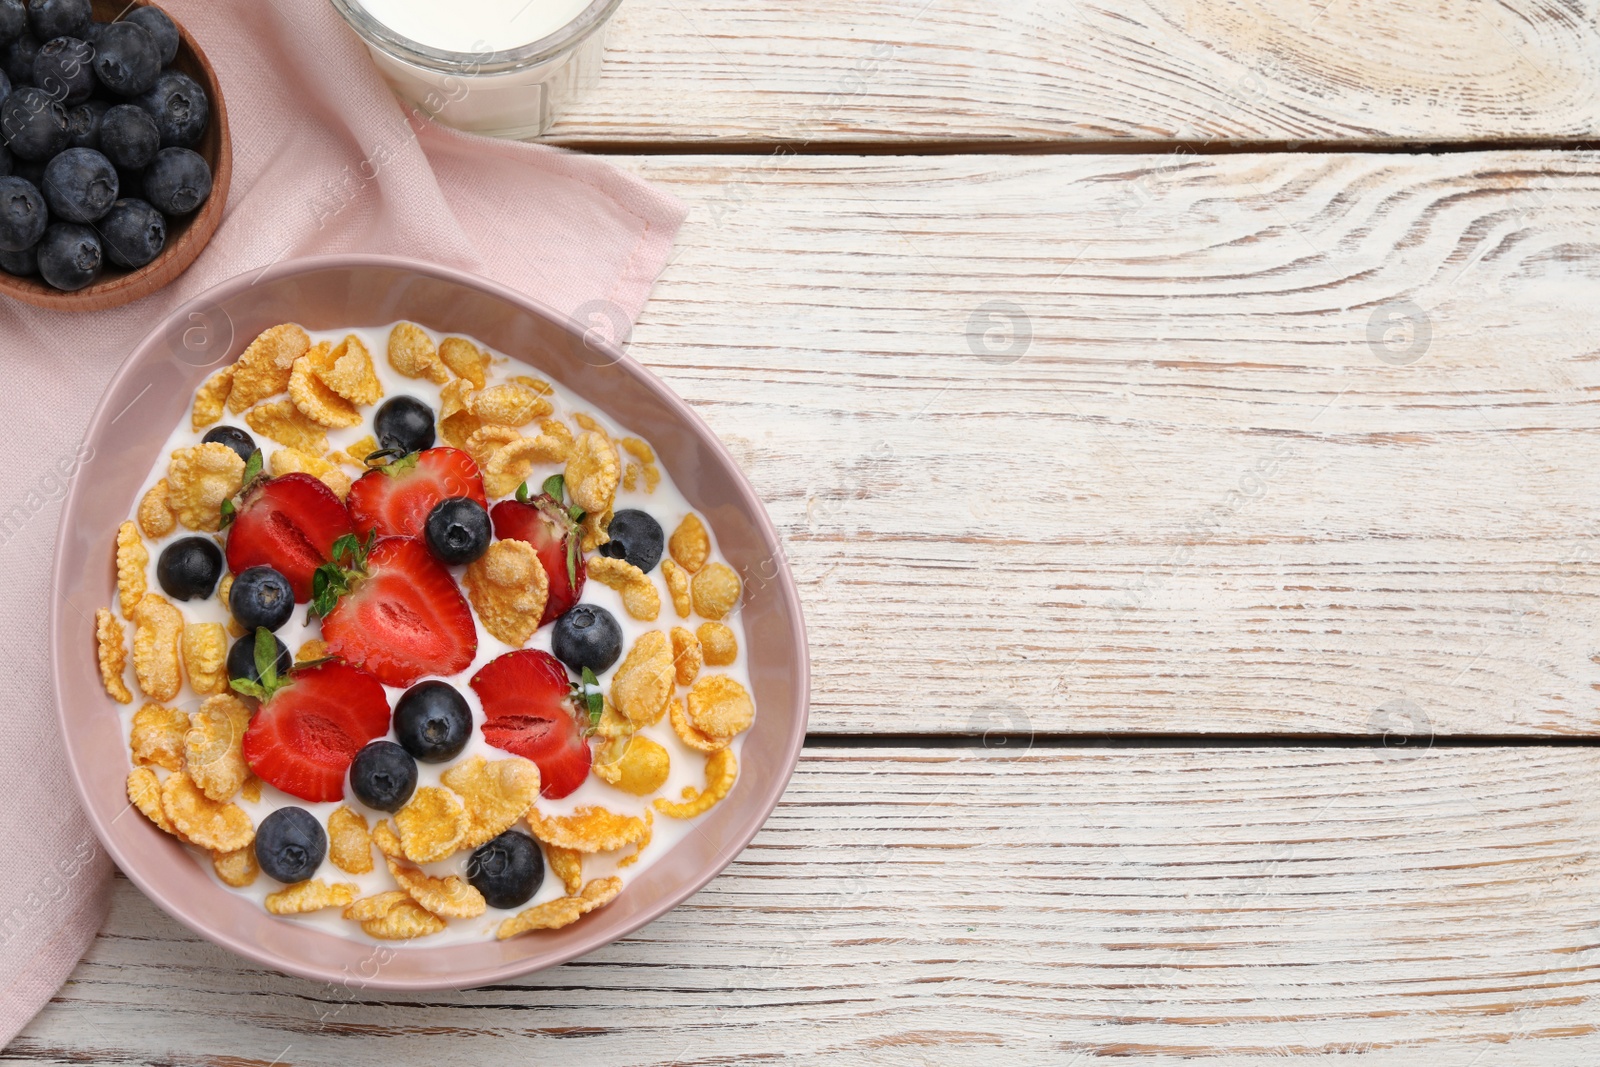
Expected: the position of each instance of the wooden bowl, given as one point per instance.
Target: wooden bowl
(185, 236)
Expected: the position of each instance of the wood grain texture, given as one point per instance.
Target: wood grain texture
(1062, 71)
(1223, 483)
(1425, 907)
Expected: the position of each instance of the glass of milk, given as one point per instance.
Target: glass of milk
(498, 67)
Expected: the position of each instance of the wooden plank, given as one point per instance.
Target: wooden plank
(1215, 480)
(903, 72)
(910, 907)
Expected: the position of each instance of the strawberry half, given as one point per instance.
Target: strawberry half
(289, 524)
(543, 523)
(310, 728)
(394, 500)
(394, 610)
(528, 711)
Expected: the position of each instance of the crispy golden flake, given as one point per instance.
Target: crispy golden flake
(282, 422)
(613, 723)
(567, 864)
(511, 404)
(237, 868)
(387, 841)
(144, 793)
(557, 429)
(311, 895)
(720, 706)
(412, 353)
(376, 906)
(678, 585)
(264, 368)
(217, 825)
(643, 683)
(633, 764)
(348, 371)
(356, 454)
(722, 767)
(112, 653)
(155, 513)
(450, 897)
(132, 562)
(689, 735)
(640, 845)
(457, 429)
(158, 626)
(403, 922)
(251, 790)
(327, 471)
(638, 449)
(687, 659)
(588, 422)
(211, 749)
(211, 399)
(512, 464)
(487, 440)
(496, 794)
(204, 647)
(156, 739)
(587, 829)
(563, 911)
(508, 587)
(639, 595)
(594, 527)
(349, 843)
(312, 396)
(432, 825)
(690, 544)
(316, 648)
(199, 479)
(465, 360)
(717, 643)
(715, 591)
(592, 472)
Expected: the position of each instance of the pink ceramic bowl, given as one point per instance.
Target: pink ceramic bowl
(147, 398)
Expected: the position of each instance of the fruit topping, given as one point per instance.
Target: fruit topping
(289, 524)
(383, 776)
(433, 722)
(189, 568)
(260, 597)
(397, 498)
(177, 181)
(241, 442)
(543, 522)
(405, 424)
(587, 636)
(508, 870)
(290, 844)
(636, 537)
(458, 530)
(255, 664)
(529, 711)
(307, 732)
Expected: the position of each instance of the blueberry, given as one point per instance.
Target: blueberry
(62, 69)
(177, 182)
(261, 596)
(34, 125)
(242, 659)
(83, 124)
(13, 20)
(586, 636)
(17, 59)
(432, 721)
(242, 443)
(8, 162)
(5, 85)
(383, 776)
(636, 537)
(21, 263)
(133, 232)
(160, 28)
(70, 256)
(457, 530)
(59, 18)
(127, 60)
(404, 423)
(508, 871)
(80, 185)
(128, 137)
(180, 109)
(23, 216)
(189, 567)
(290, 844)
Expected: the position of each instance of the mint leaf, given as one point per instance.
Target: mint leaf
(556, 486)
(522, 493)
(592, 698)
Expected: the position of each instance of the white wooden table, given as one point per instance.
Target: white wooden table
(1184, 419)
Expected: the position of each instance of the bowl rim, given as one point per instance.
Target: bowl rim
(763, 802)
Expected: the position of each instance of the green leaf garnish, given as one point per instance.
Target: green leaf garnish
(522, 493)
(347, 562)
(266, 663)
(556, 486)
(592, 699)
(228, 514)
(400, 466)
(572, 560)
(252, 467)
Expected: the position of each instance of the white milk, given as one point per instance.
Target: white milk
(475, 25)
(666, 504)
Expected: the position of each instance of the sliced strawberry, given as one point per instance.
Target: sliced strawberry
(395, 500)
(528, 711)
(544, 524)
(305, 735)
(289, 524)
(399, 614)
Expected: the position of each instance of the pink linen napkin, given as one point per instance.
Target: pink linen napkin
(325, 160)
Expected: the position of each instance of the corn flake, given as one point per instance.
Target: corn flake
(112, 655)
(457, 429)
(613, 723)
(312, 396)
(403, 922)
(199, 479)
(204, 647)
(144, 793)
(509, 588)
(690, 544)
(251, 790)
(642, 843)
(564, 911)
(689, 735)
(263, 370)
(211, 399)
(720, 706)
(348, 371)
(721, 770)
(327, 471)
(594, 527)
(687, 659)
(155, 513)
(356, 454)
(219, 826)
(156, 739)
(643, 683)
(466, 360)
(567, 864)
(677, 585)
(282, 422)
(311, 895)
(717, 643)
(449, 897)
(237, 868)
(515, 403)
(349, 843)
(432, 825)
(158, 627)
(211, 749)
(639, 595)
(511, 465)
(387, 841)
(496, 794)
(587, 829)
(715, 591)
(487, 440)
(412, 353)
(633, 764)
(376, 906)
(592, 472)
(314, 649)
(132, 561)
